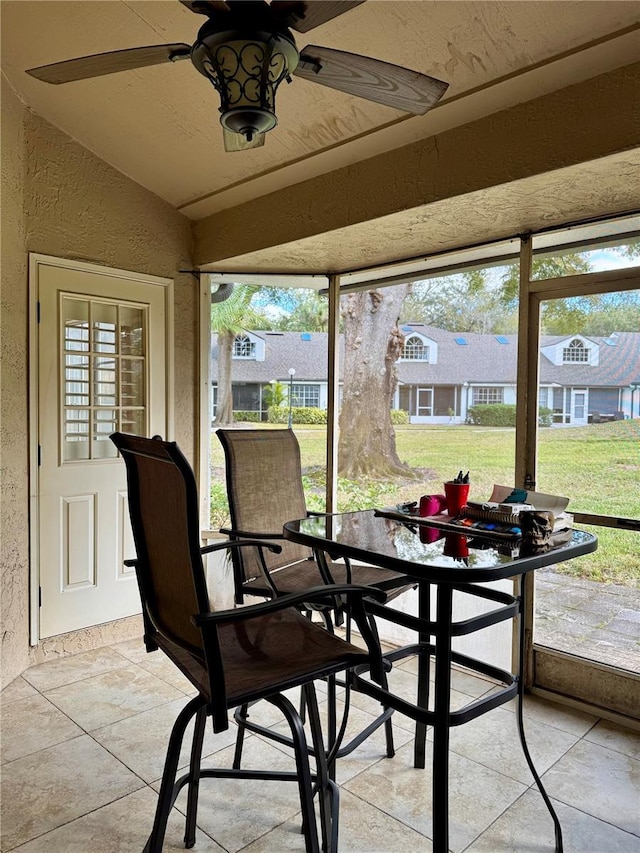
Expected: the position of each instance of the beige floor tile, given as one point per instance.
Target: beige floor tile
(32, 724)
(135, 650)
(404, 684)
(18, 689)
(141, 741)
(401, 683)
(363, 829)
(63, 792)
(49, 788)
(159, 665)
(120, 827)
(527, 825)
(615, 737)
(156, 663)
(112, 696)
(55, 673)
(462, 680)
(559, 716)
(236, 812)
(493, 740)
(477, 795)
(373, 749)
(599, 781)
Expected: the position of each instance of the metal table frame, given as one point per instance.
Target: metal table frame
(434, 639)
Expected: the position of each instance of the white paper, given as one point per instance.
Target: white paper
(546, 503)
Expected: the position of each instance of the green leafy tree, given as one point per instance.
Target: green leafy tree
(541, 268)
(599, 314)
(301, 310)
(469, 301)
(229, 319)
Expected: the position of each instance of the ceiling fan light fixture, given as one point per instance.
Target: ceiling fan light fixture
(246, 70)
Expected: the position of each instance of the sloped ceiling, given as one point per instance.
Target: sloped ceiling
(160, 126)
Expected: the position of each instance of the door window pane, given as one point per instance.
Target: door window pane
(98, 382)
(76, 325)
(104, 323)
(132, 381)
(133, 420)
(105, 388)
(131, 331)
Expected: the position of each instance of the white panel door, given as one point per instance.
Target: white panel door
(101, 368)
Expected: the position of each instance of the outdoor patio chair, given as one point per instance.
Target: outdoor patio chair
(232, 657)
(264, 488)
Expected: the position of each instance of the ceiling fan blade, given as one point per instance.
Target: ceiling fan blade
(108, 63)
(205, 7)
(237, 142)
(304, 15)
(371, 79)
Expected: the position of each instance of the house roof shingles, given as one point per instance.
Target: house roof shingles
(483, 358)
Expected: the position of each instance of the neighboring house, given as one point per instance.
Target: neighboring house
(442, 374)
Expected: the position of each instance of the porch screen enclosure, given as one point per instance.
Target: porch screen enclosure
(514, 361)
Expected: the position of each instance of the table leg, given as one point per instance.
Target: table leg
(440, 766)
(424, 613)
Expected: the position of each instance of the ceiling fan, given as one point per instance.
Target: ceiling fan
(246, 49)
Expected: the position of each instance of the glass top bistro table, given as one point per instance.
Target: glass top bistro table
(442, 563)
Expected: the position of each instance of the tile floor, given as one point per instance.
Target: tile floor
(83, 742)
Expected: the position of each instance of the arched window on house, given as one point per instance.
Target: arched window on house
(415, 349)
(575, 352)
(244, 347)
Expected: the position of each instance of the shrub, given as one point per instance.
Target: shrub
(247, 417)
(299, 415)
(399, 416)
(308, 415)
(219, 510)
(492, 414)
(352, 494)
(545, 417)
(278, 414)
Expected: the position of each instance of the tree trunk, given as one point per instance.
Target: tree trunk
(224, 409)
(373, 343)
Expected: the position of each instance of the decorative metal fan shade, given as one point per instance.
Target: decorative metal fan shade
(246, 70)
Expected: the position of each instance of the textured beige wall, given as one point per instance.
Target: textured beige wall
(585, 122)
(59, 199)
(14, 487)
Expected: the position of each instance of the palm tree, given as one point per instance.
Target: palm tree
(228, 319)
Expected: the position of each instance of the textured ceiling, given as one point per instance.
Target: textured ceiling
(587, 190)
(159, 125)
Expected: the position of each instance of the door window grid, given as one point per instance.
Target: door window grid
(104, 386)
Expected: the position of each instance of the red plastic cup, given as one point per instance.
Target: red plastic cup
(455, 545)
(456, 495)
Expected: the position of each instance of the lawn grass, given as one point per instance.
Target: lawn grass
(597, 467)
